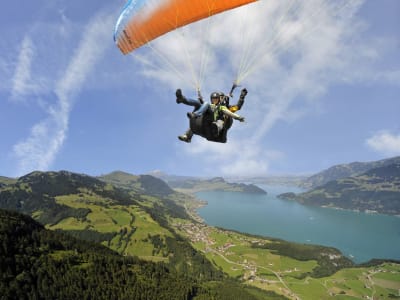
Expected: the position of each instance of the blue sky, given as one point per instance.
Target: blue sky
(323, 80)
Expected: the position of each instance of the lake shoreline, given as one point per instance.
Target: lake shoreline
(221, 215)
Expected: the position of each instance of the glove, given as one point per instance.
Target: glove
(243, 93)
(241, 119)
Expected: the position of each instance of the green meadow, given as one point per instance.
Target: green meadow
(131, 230)
(131, 225)
(234, 253)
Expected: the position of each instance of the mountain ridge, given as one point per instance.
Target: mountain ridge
(141, 183)
(213, 184)
(41, 264)
(376, 190)
(345, 170)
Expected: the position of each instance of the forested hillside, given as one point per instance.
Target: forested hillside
(36, 263)
(154, 248)
(37, 192)
(144, 184)
(376, 190)
(124, 220)
(345, 170)
(149, 255)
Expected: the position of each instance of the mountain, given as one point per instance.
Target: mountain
(345, 170)
(101, 241)
(213, 184)
(36, 194)
(6, 180)
(289, 180)
(88, 206)
(127, 221)
(43, 264)
(145, 184)
(190, 184)
(169, 177)
(377, 190)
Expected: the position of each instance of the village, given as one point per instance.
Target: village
(200, 233)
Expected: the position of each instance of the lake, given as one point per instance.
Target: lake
(359, 236)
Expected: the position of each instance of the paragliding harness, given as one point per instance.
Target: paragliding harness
(202, 126)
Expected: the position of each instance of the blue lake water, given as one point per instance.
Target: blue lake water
(359, 236)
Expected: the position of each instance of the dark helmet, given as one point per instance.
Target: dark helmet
(225, 101)
(215, 95)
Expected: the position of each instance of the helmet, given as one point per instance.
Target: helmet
(215, 95)
(226, 100)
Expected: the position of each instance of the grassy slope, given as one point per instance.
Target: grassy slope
(273, 272)
(39, 263)
(266, 269)
(7, 180)
(134, 227)
(107, 217)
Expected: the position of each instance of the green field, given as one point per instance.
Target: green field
(233, 252)
(132, 224)
(133, 230)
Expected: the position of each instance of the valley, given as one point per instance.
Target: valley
(141, 217)
(242, 256)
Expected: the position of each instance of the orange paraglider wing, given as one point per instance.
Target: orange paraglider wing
(142, 21)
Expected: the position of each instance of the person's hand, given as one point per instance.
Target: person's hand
(241, 119)
(243, 93)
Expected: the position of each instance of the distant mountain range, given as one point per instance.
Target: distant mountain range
(6, 180)
(345, 170)
(375, 189)
(170, 177)
(192, 184)
(145, 184)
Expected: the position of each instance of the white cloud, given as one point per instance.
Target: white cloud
(385, 142)
(233, 158)
(21, 82)
(293, 51)
(39, 150)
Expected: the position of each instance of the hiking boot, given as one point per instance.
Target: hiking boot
(179, 96)
(185, 138)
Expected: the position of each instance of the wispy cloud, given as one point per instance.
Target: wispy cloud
(293, 50)
(39, 150)
(289, 52)
(21, 82)
(237, 157)
(385, 142)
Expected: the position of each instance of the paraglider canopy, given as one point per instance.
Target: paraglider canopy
(142, 21)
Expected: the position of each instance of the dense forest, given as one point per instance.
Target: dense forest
(36, 263)
(37, 191)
